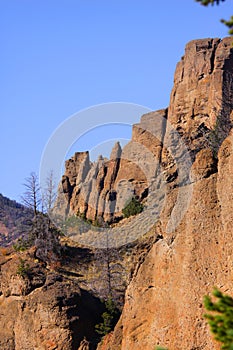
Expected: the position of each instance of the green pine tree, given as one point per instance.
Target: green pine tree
(110, 317)
(133, 207)
(228, 23)
(221, 318)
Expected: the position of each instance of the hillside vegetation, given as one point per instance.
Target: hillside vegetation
(15, 220)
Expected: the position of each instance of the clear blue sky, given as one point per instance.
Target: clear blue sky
(60, 56)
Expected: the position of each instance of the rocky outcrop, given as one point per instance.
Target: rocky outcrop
(56, 304)
(104, 187)
(43, 309)
(101, 191)
(164, 301)
(202, 94)
(200, 112)
(187, 251)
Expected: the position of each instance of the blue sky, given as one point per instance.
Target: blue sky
(61, 56)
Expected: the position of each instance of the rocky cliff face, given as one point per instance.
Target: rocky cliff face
(41, 308)
(56, 304)
(203, 90)
(189, 248)
(99, 191)
(164, 301)
(200, 111)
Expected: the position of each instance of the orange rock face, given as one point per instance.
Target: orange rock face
(189, 248)
(203, 89)
(200, 106)
(164, 301)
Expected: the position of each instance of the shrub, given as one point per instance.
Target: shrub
(21, 245)
(134, 207)
(110, 317)
(23, 268)
(217, 134)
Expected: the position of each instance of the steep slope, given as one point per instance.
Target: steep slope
(164, 301)
(14, 220)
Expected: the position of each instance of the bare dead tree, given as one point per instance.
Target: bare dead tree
(32, 197)
(49, 192)
(43, 235)
(110, 271)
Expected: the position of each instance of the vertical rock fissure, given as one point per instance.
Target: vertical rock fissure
(164, 129)
(212, 57)
(227, 87)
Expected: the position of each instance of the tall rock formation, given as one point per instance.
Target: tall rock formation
(99, 191)
(202, 94)
(164, 301)
(188, 249)
(200, 111)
